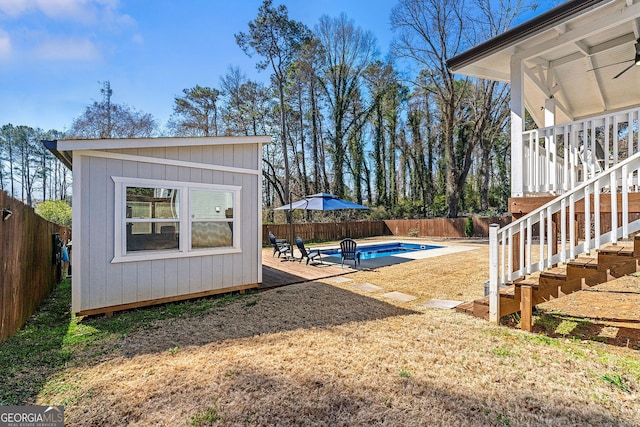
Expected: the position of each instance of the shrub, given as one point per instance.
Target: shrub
(468, 227)
(57, 211)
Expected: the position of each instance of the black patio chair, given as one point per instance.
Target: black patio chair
(349, 251)
(304, 253)
(280, 246)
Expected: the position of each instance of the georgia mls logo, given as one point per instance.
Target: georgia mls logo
(31, 416)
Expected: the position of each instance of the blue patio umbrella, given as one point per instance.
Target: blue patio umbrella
(321, 202)
(318, 202)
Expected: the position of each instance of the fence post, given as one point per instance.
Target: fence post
(494, 289)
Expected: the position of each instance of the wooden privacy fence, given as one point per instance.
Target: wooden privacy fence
(433, 227)
(320, 232)
(27, 269)
(443, 227)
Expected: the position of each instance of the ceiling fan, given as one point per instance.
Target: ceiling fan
(635, 61)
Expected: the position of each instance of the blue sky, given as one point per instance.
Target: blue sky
(54, 54)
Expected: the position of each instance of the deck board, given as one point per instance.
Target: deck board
(279, 272)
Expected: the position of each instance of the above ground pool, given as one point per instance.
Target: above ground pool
(383, 249)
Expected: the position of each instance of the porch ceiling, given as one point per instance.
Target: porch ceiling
(560, 50)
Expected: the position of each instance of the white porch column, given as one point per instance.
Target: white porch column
(517, 125)
(552, 159)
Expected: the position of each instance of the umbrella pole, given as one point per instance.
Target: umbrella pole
(291, 224)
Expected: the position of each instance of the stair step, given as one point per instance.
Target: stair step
(534, 282)
(557, 273)
(508, 292)
(584, 262)
(619, 250)
(466, 307)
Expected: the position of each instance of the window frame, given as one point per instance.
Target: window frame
(184, 220)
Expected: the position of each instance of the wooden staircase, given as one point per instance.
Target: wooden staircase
(523, 294)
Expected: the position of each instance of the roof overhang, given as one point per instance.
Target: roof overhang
(63, 149)
(568, 54)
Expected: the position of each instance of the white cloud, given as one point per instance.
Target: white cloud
(15, 8)
(137, 39)
(67, 49)
(86, 12)
(5, 44)
(68, 10)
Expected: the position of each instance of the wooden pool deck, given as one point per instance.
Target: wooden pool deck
(280, 271)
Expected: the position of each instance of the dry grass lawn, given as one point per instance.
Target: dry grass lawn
(325, 354)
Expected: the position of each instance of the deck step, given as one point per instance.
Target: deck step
(466, 307)
(534, 282)
(558, 273)
(617, 260)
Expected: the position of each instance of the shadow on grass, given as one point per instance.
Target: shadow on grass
(253, 396)
(302, 306)
(561, 326)
(53, 340)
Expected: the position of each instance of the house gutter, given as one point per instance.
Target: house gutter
(536, 25)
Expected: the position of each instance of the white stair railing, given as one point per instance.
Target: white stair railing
(557, 158)
(538, 227)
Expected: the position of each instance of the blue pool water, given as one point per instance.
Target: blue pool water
(383, 249)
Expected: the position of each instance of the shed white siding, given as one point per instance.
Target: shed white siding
(99, 282)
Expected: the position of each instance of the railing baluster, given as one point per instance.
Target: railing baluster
(532, 164)
(551, 240)
(529, 245)
(630, 135)
(596, 215)
(510, 254)
(572, 227)
(521, 254)
(553, 164)
(606, 142)
(585, 166)
(574, 154)
(625, 203)
(565, 140)
(541, 230)
(587, 220)
(503, 265)
(494, 287)
(614, 206)
(594, 151)
(563, 230)
(537, 170)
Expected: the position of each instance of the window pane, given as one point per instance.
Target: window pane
(151, 236)
(211, 204)
(143, 202)
(211, 234)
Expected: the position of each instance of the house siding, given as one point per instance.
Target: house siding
(102, 283)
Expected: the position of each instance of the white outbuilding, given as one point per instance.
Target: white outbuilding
(163, 219)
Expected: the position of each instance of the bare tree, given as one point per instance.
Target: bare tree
(108, 120)
(348, 50)
(431, 31)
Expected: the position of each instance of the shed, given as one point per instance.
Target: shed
(163, 219)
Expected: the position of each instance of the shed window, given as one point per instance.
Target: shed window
(211, 219)
(162, 219)
(152, 215)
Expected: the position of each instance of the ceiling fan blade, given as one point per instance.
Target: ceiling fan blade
(609, 65)
(625, 70)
